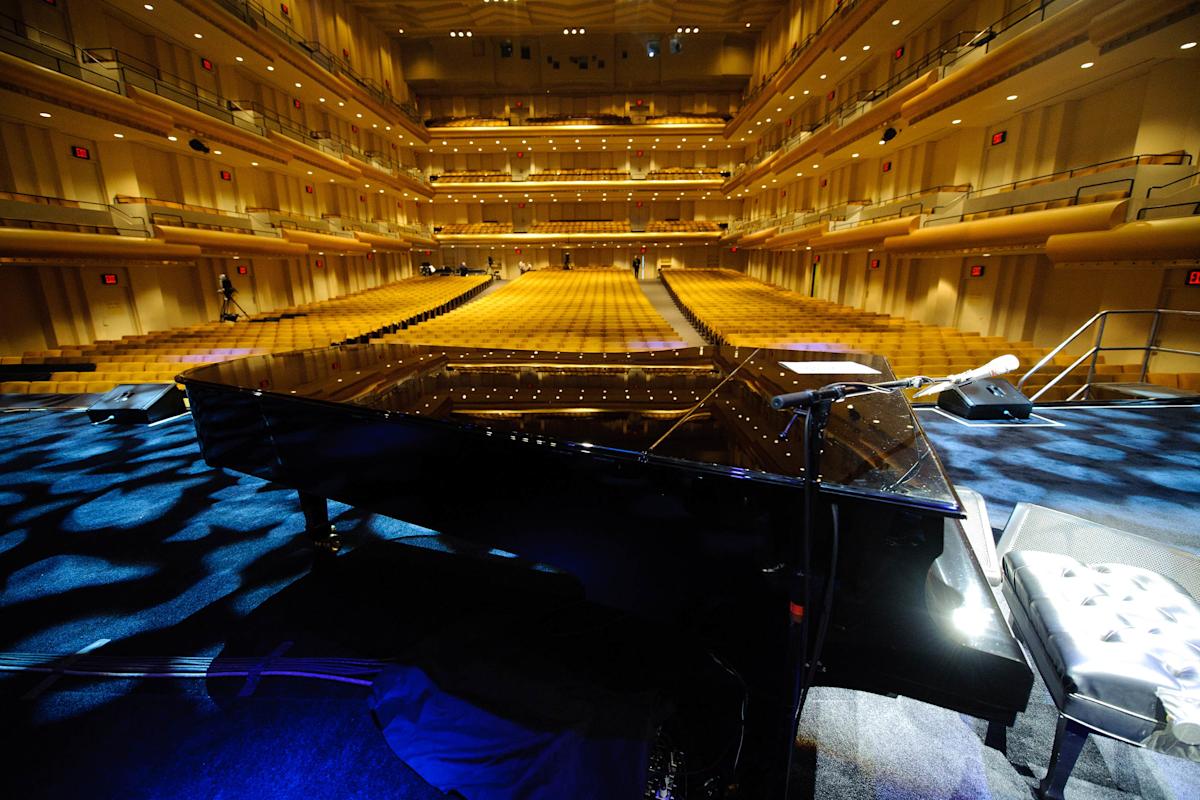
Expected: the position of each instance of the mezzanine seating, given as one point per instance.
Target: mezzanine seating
(581, 226)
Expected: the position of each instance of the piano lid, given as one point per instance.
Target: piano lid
(705, 408)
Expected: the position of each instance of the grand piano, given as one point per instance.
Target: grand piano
(659, 482)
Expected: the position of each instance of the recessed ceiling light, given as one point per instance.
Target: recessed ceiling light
(747, 24)
(358, 115)
(822, 76)
(254, 163)
(341, 103)
(147, 6)
(842, 58)
(866, 47)
(1011, 97)
(1187, 45)
(854, 155)
(298, 85)
(216, 152)
(791, 97)
(118, 136)
(806, 91)
(270, 68)
(44, 114)
(895, 22)
(1087, 65)
(400, 30)
(955, 121)
(198, 35)
(172, 138)
(816, 166)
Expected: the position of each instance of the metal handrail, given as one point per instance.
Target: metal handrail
(1093, 353)
(1194, 204)
(1172, 183)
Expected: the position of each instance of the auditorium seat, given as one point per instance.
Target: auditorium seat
(585, 310)
(732, 308)
(159, 356)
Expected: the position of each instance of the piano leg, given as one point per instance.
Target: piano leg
(317, 525)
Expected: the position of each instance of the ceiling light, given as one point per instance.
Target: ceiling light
(147, 6)
(44, 114)
(270, 68)
(238, 59)
(854, 155)
(842, 58)
(955, 121)
(791, 97)
(400, 30)
(1087, 65)
(1187, 45)
(895, 22)
(254, 163)
(198, 35)
(298, 86)
(1011, 97)
(172, 138)
(358, 115)
(822, 76)
(866, 47)
(118, 136)
(747, 24)
(216, 152)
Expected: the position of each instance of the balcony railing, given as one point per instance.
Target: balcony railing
(129, 70)
(258, 18)
(47, 50)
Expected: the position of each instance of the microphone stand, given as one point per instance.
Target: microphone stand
(815, 405)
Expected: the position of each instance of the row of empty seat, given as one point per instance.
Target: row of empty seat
(474, 176)
(601, 174)
(682, 226)
(684, 174)
(732, 308)
(157, 357)
(476, 228)
(588, 310)
(487, 121)
(581, 226)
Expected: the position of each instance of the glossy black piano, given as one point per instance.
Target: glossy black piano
(658, 480)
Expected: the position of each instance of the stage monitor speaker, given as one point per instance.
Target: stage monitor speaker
(991, 398)
(138, 404)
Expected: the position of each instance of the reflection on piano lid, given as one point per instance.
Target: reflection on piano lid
(706, 407)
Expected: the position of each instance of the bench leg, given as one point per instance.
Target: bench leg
(1069, 739)
(997, 736)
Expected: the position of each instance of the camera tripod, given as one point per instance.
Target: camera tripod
(226, 304)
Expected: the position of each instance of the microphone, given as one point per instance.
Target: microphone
(838, 391)
(997, 366)
(808, 397)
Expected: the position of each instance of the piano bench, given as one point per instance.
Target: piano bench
(1118, 646)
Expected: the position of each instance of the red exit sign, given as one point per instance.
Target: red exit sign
(999, 137)
(1193, 277)
(108, 279)
(977, 270)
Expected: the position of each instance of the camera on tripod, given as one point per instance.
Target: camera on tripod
(227, 292)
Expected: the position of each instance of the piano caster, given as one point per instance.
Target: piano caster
(327, 542)
(317, 525)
